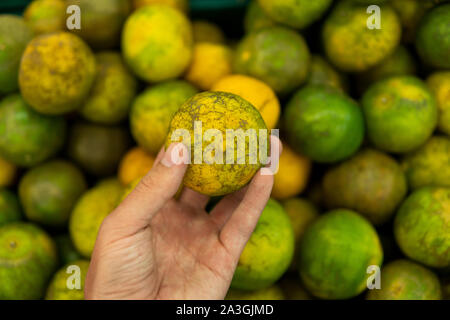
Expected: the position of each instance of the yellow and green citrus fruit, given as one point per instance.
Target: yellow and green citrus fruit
(259, 94)
(295, 13)
(153, 110)
(278, 56)
(205, 31)
(66, 250)
(433, 37)
(56, 73)
(27, 137)
(101, 21)
(218, 167)
(400, 113)
(322, 73)
(371, 183)
(8, 172)
(323, 124)
(97, 148)
(210, 63)
(269, 251)
(14, 37)
(45, 16)
(429, 165)
(113, 90)
(10, 210)
(89, 212)
(48, 192)
(182, 5)
(256, 18)
(58, 288)
(302, 213)
(28, 258)
(421, 226)
(439, 84)
(410, 13)
(157, 43)
(293, 290)
(292, 176)
(271, 293)
(406, 280)
(134, 164)
(335, 253)
(351, 45)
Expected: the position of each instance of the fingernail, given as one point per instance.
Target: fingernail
(276, 147)
(176, 154)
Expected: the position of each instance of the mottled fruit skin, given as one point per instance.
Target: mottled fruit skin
(49, 192)
(271, 293)
(351, 45)
(28, 258)
(421, 226)
(204, 31)
(256, 18)
(102, 21)
(371, 183)
(400, 114)
(66, 250)
(335, 253)
(157, 43)
(56, 73)
(27, 137)
(153, 109)
(97, 148)
(439, 84)
(277, 55)
(89, 212)
(323, 124)
(113, 90)
(295, 13)
(45, 16)
(433, 37)
(429, 165)
(219, 111)
(57, 290)
(10, 210)
(406, 280)
(269, 251)
(14, 37)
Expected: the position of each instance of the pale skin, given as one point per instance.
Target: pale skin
(153, 246)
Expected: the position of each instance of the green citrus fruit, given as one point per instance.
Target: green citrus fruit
(45, 16)
(98, 149)
(157, 42)
(27, 137)
(433, 37)
(218, 167)
(28, 257)
(335, 253)
(66, 250)
(406, 280)
(48, 192)
(323, 124)
(269, 251)
(89, 212)
(322, 73)
(421, 226)
(400, 114)
(429, 165)
(58, 288)
(153, 110)
(351, 45)
(256, 18)
(14, 36)
(295, 13)
(371, 183)
(276, 55)
(271, 293)
(439, 84)
(10, 210)
(56, 73)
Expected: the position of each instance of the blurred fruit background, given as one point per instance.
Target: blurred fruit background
(364, 116)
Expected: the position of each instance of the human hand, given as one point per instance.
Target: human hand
(153, 246)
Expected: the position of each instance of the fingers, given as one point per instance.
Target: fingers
(240, 225)
(223, 210)
(193, 198)
(154, 190)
